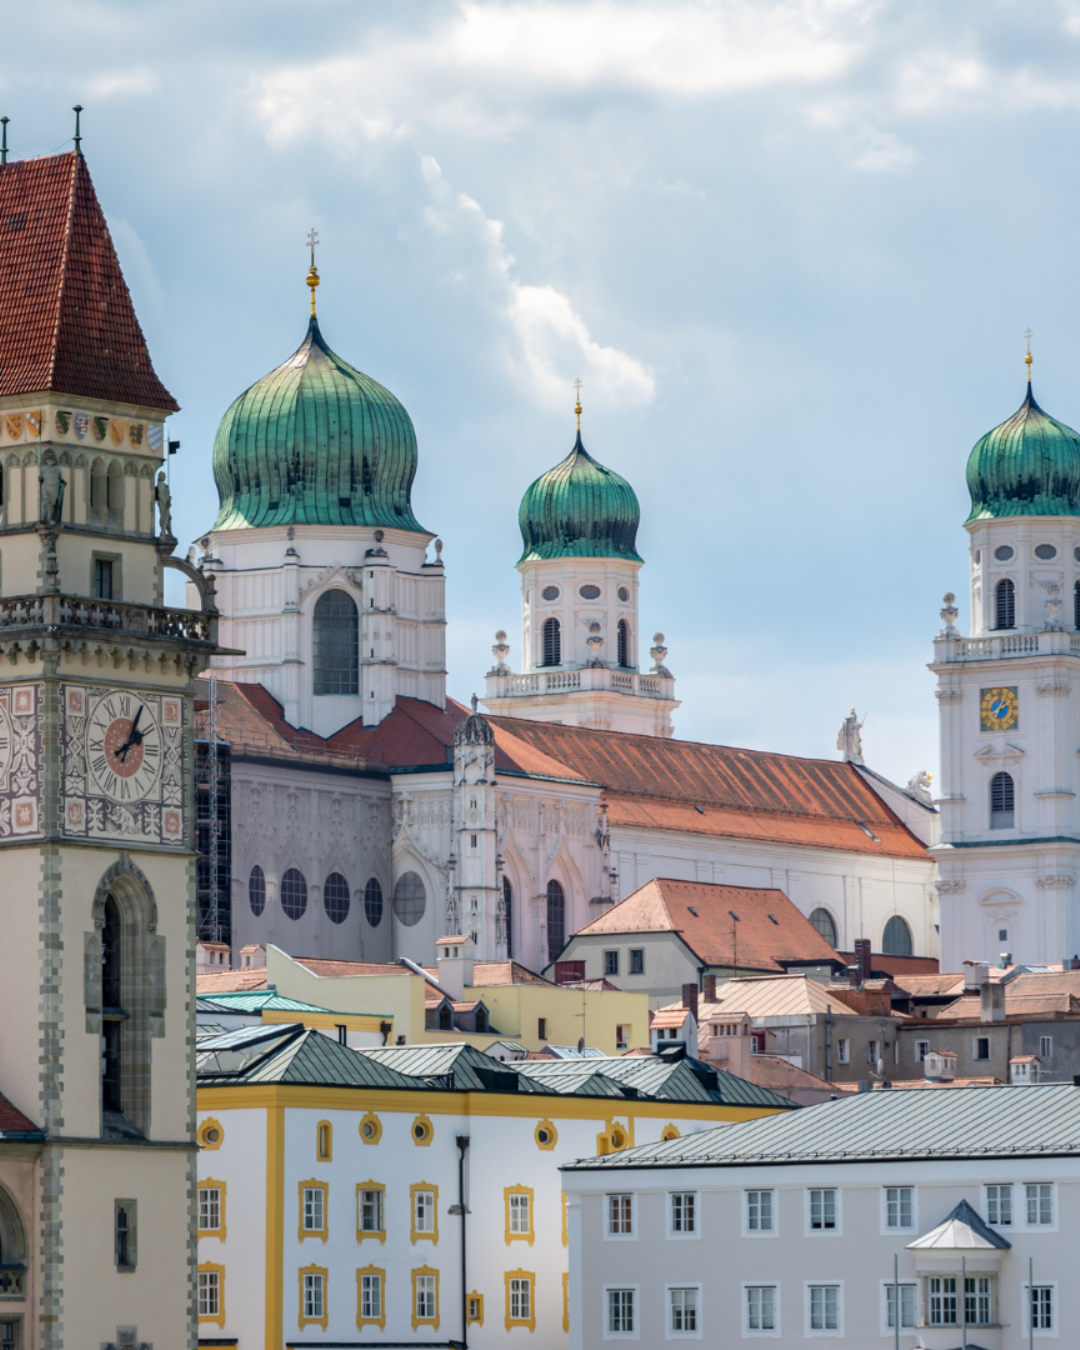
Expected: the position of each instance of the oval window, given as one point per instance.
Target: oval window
(1004, 553)
(373, 903)
(336, 898)
(624, 594)
(257, 890)
(293, 893)
(550, 592)
(589, 592)
(978, 556)
(1045, 551)
(410, 899)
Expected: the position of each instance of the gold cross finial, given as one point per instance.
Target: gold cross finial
(577, 405)
(1028, 359)
(313, 274)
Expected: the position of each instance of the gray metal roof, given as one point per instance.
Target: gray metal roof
(293, 1055)
(682, 1080)
(1042, 1120)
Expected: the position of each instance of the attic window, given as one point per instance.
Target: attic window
(692, 910)
(775, 920)
(16, 222)
(698, 809)
(867, 831)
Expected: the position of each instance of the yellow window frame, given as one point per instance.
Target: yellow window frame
(218, 1318)
(425, 1321)
(565, 1232)
(324, 1141)
(204, 1129)
(529, 1321)
(362, 1233)
(376, 1134)
(552, 1134)
(302, 1233)
(670, 1131)
(566, 1300)
(209, 1184)
(422, 1123)
(530, 1236)
(325, 1318)
(361, 1320)
(478, 1299)
(414, 1236)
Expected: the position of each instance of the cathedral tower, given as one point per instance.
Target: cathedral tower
(579, 608)
(97, 909)
(1009, 697)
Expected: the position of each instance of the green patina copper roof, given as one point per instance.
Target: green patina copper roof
(579, 509)
(315, 442)
(1028, 466)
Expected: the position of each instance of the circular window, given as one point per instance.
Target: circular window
(410, 899)
(550, 592)
(257, 890)
(293, 893)
(624, 594)
(210, 1134)
(373, 902)
(1045, 551)
(336, 898)
(978, 556)
(370, 1129)
(543, 1136)
(589, 592)
(1004, 553)
(421, 1130)
(618, 1138)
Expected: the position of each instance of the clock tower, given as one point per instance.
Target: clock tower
(97, 909)
(1009, 697)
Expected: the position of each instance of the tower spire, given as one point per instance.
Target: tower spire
(313, 273)
(577, 405)
(1028, 359)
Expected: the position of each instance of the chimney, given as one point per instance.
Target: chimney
(730, 1046)
(689, 998)
(862, 958)
(708, 987)
(977, 975)
(992, 1002)
(854, 976)
(455, 965)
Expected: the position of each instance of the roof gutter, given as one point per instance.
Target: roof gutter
(419, 970)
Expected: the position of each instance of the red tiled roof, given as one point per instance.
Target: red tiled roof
(67, 323)
(230, 981)
(333, 969)
(753, 942)
(770, 1071)
(487, 974)
(13, 1119)
(929, 986)
(897, 966)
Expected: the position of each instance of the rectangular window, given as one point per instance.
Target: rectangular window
(313, 1295)
(999, 1206)
(759, 1211)
(520, 1300)
(519, 1214)
(210, 1208)
(822, 1209)
(1041, 1307)
(622, 1036)
(103, 579)
(982, 1047)
(824, 1307)
(943, 1304)
(620, 1312)
(472, 840)
(9, 1334)
(684, 1211)
(342, 1033)
(1040, 1205)
(843, 1050)
(425, 1298)
(922, 1049)
(761, 1307)
(314, 1211)
(371, 1211)
(871, 1052)
(620, 1210)
(637, 960)
(209, 1293)
(611, 963)
(371, 1297)
(899, 1207)
(1046, 1047)
(541, 1028)
(683, 1309)
(475, 1305)
(907, 1305)
(124, 1234)
(424, 1216)
(977, 1301)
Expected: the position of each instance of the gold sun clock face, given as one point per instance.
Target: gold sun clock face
(999, 709)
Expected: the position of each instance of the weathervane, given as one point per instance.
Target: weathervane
(577, 405)
(1027, 359)
(313, 274)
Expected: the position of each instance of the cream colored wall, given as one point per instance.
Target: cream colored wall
(138, 582)
(400, 997)
(20, 988)
(569, 1013)
(18, 1176)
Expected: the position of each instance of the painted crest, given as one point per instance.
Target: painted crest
(100, 425)
(82, 421)
(154, 436)
(135, 433)
(63, 423)
(33, 423)
(116, 432)
(13, 425)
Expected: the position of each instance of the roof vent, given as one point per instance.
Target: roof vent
(692, 910)
(700, 810)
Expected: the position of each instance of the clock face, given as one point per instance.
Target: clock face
(123, 746)
(999, 709)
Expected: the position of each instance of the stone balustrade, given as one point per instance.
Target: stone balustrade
(588, 677)
(998, 645)
(108, 617)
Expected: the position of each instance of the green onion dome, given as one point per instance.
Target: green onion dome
(579, 509)
(1028, 466)
(315, 442)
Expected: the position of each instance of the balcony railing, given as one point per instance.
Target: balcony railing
(595, 678)
(107, 617)
(1007, 644)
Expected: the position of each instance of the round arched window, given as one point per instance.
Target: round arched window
(556, 919)
(410, 899)
(293, 893)
(334, 631)
(373, 902)
(896, 940)
(823, 922)
(336, 898)
(257, 890)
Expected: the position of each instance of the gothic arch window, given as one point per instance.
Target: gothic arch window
(446, 1020)
(556, 919)
(294, 893)
(624, 643)
(508, 906)
(1005, 604)
(257, 890)
(1076, 605)
(822, 920)
(335, 639)
(115, 493)
(410, 899)
(1002, 802)
(12, 1243)
(552, 636)
(336, 898)
(896, 940)
(373, 902)
(112, 1007)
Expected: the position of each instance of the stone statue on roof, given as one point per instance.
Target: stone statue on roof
(849, 738)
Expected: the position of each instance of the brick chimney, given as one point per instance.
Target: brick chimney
(690, 998)
(708, 988)
(862, 958)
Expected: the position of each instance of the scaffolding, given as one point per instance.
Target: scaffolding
(213, 829)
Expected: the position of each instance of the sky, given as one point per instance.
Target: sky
(790, 248)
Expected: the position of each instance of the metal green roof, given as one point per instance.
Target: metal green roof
(1028, 466)
(579, 509)
(256, 1001)
(315, 442)
(289, 1053)
(905, 1124)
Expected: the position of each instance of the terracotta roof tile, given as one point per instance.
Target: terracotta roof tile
(700, 912)
(230, 981)
(12, 1119)
(895, 966)
(333, 969)
(67, 323)
(771, 996)
(769, 1071)
(929, 986)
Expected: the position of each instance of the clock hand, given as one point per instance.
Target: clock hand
(134, 737)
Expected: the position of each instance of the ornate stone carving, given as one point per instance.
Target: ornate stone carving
(1054, 688)
(500, 651)
(948, 695)
(658, 651)
(919, 787)
(849, 738)
(1056, 881)
(949, 614)
(949, 886)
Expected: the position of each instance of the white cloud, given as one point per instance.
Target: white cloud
(880, 152)
(549, 342)
(118, 83)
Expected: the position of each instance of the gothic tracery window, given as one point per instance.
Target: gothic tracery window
(556, 919)
(335, 643)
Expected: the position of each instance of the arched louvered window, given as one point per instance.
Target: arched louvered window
(896, 940)
(552, 643)
(556, 919)
(1002, 802)
(624, 644)
(336, 632)
(1005, 604)
(508, 905)
(1076, 605)
(822, 920)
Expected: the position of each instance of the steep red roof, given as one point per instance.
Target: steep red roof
(13, 1119)
(230, 981)
(769, 934)
(67, 323)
